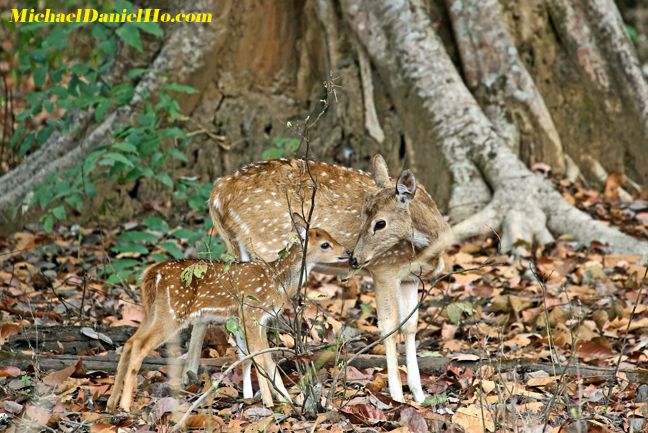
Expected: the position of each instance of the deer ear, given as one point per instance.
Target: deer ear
(300, 223)
(380, 172)
(406, 187)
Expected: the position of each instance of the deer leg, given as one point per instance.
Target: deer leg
(273, 371)
(408, 302)
(193, 353)
(387, 311)
(246, 365)
(122, 366)
(156, 334)
(256, 344)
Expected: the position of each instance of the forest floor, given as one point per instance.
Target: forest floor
(555, 341)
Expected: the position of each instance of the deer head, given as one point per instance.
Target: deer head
(386, 216)
(322, 248)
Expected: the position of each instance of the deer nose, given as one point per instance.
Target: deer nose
(353, 262)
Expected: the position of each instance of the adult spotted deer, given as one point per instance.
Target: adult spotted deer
(394, 229)
(251, 291)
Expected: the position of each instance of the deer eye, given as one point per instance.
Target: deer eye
(325, 246)
(379, 225)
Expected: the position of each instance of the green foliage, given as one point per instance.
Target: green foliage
(282, 147)
(435, 400)
(232, 325)
(196, 270)
(633, 34)
(69, 65)
(456, 310)
(227, 259)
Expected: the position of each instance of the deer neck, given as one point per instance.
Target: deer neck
(287, 270)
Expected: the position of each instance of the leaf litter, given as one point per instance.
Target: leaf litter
(540, 344)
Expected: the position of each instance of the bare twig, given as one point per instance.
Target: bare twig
(426, 292)
(216, 384)
(625, 340)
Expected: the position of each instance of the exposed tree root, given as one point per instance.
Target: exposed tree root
(411, 58)
(496, 75)
(371, 118)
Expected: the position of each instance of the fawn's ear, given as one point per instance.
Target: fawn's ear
(300, 224)
(380, 172)
(406, 187)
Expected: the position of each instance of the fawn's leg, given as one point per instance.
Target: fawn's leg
(193, 352)
(246, 366)
(273, 370)
(158, 332)
(257, 343)
(387, 288)
(408, 301)
(122, 367)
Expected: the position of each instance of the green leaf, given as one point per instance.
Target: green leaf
(120, 276)
(102, 108)
(366, 309)
(157, 224)
(435, 400)
(456, 310)
(122, 264)
(228, 259)
(198, 203)
(165, 179)
(454, 313)
(123, 93)
(186, 276)
(136, 72)
(129, 33)
(48, 223)
(75, 200)
(180, 88)
(183, 233)
(173, 133)
(124, 147)
(291, 145)
(175, 153)
(111, 158)
(232, 325)
(137, 236)
(109, 47)
(44, 134)
(173, 249)
(272, 153)
(151, 28)
(199, 269)
(129, 247)
(59, 212)
(40, 74)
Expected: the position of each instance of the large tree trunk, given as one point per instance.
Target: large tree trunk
(469, 93)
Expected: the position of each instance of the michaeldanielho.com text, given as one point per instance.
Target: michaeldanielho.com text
(96, 16)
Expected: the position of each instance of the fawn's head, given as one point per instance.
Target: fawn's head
(386, 216)
(322, 248)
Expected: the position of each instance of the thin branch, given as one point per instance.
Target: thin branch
(625, 340)
(216, 384)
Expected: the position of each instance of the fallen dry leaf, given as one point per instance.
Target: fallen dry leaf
(364, 414)
(58, 377)
(474, 419)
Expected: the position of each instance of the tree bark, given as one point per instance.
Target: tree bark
(469, 92)
(410, 57)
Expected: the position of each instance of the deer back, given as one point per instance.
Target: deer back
(251, 208)
(217, 294)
